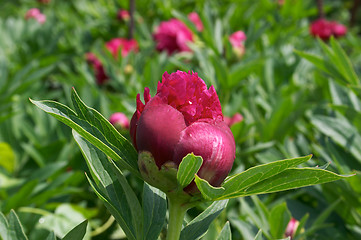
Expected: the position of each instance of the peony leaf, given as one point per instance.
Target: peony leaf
(199, 225)
(112, 188)
(188, 168)
(226, 233)
(77, 233)
(4, 227)
(271, 177)
(208, 191)
(126, 157)
(154, 212)
(15, 231)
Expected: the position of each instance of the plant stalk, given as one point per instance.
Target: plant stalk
(177, 210)
(321, 13)
(132, 21)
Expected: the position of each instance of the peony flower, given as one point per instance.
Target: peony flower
(122, 44)
(236, 118)
(114, 45)
(194, 17)
(119, 120)
(98, 68)
(123, 15)
(338, 29)
(35, 14)
(237, 40)
(173, 36)
(291, 228)
(325, 29)
(184, 117)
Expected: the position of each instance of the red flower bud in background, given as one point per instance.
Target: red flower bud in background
(114, 46)
(338, 29)
(99, 72)
(236, 118)
(184, 117)
(325, 29)
(119, 120)
(292, 228)
(123, 15)
(122, 44)
(172, 36)
(196, 20)
(35, 14)
(237, 40)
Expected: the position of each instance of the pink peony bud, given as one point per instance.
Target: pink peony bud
(324, 29)
(173, 36)
(98, 68)
(184, 117)
(35, 14)
(196, 20)
(237, 40)
(122, 44)
(233, 120)
(114, 45)
(119, 120)
(292, 228)
(123, 15)
(338, 29)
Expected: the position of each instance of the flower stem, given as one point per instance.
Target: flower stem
(177, 210)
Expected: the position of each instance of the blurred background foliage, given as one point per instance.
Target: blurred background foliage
(298, 95)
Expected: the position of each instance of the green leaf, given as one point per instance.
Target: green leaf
(344, 62)
(112, 188)
(208, 191)
(292, 178)
(7, 157)
(51, 236)
(92, 116)
(91, 133)
(16, 231)
(271, 177)
(188, 168)
(78, 232)
(341, 131)
(4, 227)
(199, 225)
(226, 233)
(278, 220)
(154, 212)
(258, 235)
(19, 198)
(239, 182)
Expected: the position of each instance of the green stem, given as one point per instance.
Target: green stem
(177, 210)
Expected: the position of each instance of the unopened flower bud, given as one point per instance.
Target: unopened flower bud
(184, 117)
(119, 120)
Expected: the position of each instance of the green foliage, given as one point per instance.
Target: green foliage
(298, 96)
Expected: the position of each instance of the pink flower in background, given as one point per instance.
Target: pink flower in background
(184, 117)
(35, 14)
(43, 1)
(98, 68)
(122, 44)
(119, 120)
(325, 29)
(237, 40)
(123, 15)
(236, 118)
(114, 46)
(292, 228)
(194, 17)
(338, 29)
(172, 36)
